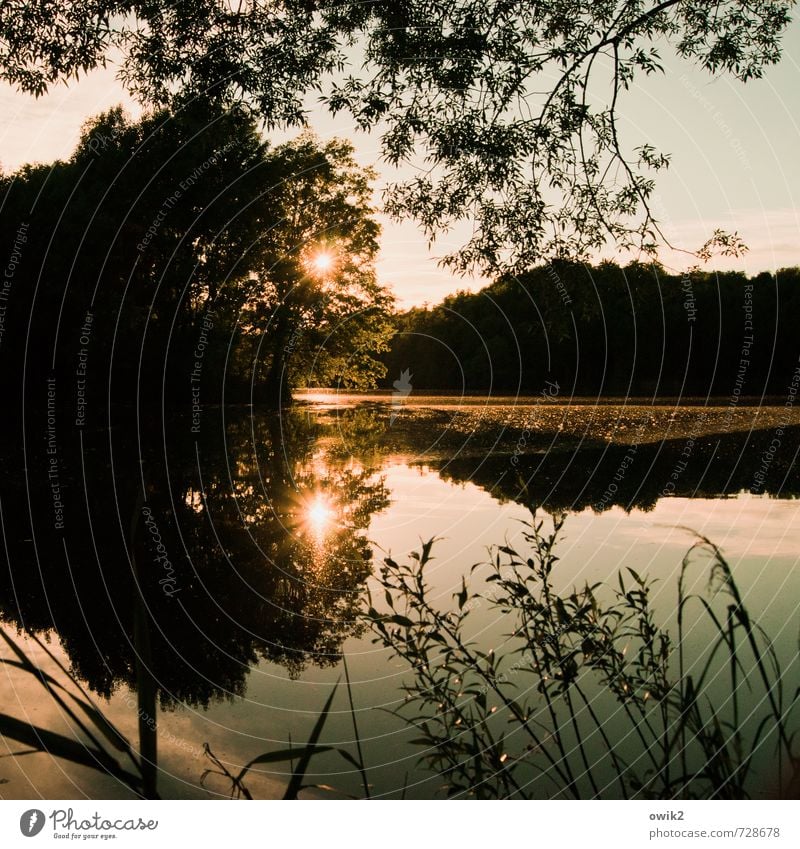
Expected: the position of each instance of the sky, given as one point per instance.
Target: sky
(734, 163)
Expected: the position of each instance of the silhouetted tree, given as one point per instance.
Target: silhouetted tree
(318, 315)
(493, 93)
(190, 243)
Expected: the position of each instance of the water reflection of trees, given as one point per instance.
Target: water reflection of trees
(569, 472)
(264, 522)
(244, 572)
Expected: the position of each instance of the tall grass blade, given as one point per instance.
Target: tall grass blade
(296, 782)
(360, 762)
(60, 746)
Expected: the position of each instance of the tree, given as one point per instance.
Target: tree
(140, 228)
(185, 229)
(512, 105)
(318, 314)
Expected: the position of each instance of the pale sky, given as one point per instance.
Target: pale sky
(734, 162)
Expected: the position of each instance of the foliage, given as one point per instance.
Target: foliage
(104, 743)
(242, 577)
(302, 754)
(185, 226)
(513, 106)
(590, 696)
(607, 330)
(319, 325)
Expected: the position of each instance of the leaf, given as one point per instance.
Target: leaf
(360, 763)
(426, 551)
(462, 595)
(115, 737)
(401, 620)
(283, 755)
(60, 746)
(296, 783)
(636, 577)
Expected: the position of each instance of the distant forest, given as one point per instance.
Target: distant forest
(569, 328)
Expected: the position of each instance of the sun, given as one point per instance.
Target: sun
(322, 262)
(318, 516)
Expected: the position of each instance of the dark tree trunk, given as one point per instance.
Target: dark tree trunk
(275, 391)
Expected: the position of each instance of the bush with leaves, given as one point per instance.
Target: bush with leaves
(590, 695)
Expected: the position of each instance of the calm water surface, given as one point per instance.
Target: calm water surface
(271, 527)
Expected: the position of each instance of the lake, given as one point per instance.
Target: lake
(251, 543)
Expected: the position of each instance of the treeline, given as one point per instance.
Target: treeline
(607, 330)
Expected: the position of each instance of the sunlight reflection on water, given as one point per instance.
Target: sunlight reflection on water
(319, 516)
